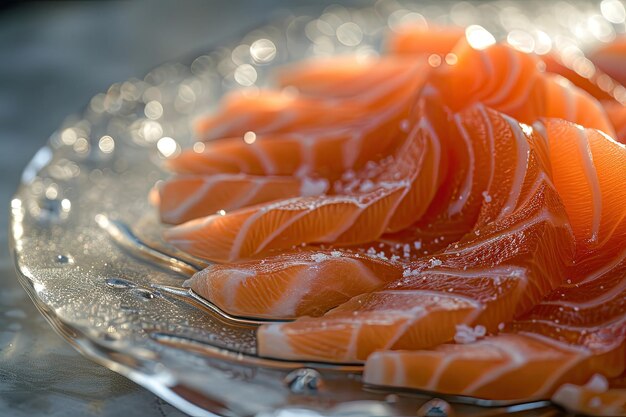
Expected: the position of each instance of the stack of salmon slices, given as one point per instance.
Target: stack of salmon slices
(452, 214)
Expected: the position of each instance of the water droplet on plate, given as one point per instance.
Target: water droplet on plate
(120, 283)
(435, 408)
(144, 294)
(303, 381)
(64, 259)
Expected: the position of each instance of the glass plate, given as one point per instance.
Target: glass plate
(87, 244)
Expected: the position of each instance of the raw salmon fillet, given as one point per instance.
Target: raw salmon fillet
(188, 197)
(365, 79)
(451, 214)
(283, 111)
(617, 115)
(593, 80)
(293, 284)
(386, 198)
(576, 331)
(565, 101)
(518, 252)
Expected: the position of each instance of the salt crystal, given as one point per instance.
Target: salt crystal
(595, 402)
(311, 187)
(348, 175)
(487, 197)
(465, 334)
(335, 254)
(480, 331)
(405, 125)
(366, 186)
(394, 258)
(319, 257)
(417, 244)
(433, 262)
(598, 383)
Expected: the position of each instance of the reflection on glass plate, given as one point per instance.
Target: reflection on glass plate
(87, 243)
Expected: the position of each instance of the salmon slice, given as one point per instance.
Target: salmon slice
(591, 79)
(424, 308)
(283, 112)
(504, 367)
(347, 76)
(576, 332)
(415, 39)
(595, 398)
(327, 154)
(309, 281)
(510, 82)
(498, 76)
(276, 112)
(187, 197)
(215, 282)
(565, 101)
(479, 280)
(357, 134)
(588, 170)
(616, 113)
(386, 198)
(294, 284)
(610, 59)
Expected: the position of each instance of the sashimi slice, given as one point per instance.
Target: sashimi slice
(266, 155)
(589, 173)
(361, 130)
(504, 367)
(418, 39)
(271, 111)
(591, 79)
(509, 81)
(188, 197)
(616, 113)
(293, 284)
(501, 274)
(387, 202)
(563, 100)
(346, 76)
(324, 153)
(576, 332)
(517, 255)
(498, 76)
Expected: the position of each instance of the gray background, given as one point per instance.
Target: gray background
(54, 56)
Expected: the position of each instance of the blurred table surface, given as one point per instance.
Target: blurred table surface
(54, 56)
